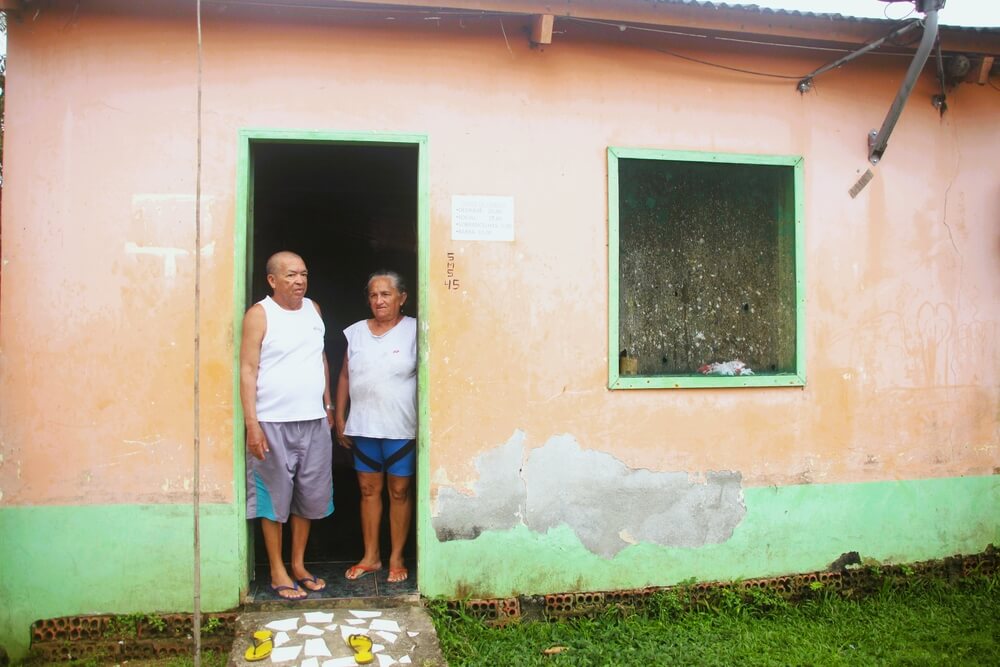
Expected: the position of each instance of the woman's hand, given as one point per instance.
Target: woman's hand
(343, 440)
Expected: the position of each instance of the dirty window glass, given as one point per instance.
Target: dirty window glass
(706, 283)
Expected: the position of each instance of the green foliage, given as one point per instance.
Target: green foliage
(124, 627)
(156, 622)
(913, 622)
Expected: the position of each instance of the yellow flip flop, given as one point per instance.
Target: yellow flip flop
(263, 642)
(362, 647)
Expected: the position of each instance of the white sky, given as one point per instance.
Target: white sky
(973, 13)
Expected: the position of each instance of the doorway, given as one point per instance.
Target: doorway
(348, 207)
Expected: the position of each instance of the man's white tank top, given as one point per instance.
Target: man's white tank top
(290, 379)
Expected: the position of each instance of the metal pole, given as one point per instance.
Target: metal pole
(877, 141)
(196, 484)
(806, 83)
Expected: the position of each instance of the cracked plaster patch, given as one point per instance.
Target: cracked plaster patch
(608, 505)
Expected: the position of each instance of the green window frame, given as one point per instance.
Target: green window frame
(788, 206)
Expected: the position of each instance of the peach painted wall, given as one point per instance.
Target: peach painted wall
(96, 323)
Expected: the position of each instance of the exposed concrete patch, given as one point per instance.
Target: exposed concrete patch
(498, 500)
(608, 505)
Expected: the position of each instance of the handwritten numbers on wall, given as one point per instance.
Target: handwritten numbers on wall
(451, 282)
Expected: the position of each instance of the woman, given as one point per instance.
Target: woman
(379, 376)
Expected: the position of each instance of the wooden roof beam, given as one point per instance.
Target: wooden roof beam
(541, 28)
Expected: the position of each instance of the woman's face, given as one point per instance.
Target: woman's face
(384, 299)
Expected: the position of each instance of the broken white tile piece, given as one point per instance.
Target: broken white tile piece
(377, 647)
(412, 634)
(365, 614)
(384, 624)
(340, 662)
(405, 660)
(347, 630)
(317, 647)
(285, 653)
(281, 638)
(309, 662)
(318, 616)
(310, 631)
(284, 624)
(388, 636)
(332, 626)
(355, 621)
(385, 660)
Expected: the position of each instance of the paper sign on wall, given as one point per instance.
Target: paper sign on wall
(482, 218)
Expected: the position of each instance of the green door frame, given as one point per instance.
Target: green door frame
(241, 294)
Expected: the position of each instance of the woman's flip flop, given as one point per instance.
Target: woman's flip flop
(359, 570)
(362, 647)
(263, 642)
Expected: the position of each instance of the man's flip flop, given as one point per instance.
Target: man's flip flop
(312, 580)
(358, 571)
(261, 647)
(362, 647)
(294, 587)
(398, 574)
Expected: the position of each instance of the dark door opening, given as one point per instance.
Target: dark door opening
(348, 209)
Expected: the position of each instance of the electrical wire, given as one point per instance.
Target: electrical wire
(342, 8)
(727, 67)
(622, 27)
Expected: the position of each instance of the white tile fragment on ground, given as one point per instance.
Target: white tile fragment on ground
(346, 631)
(317, 647)
(340, 662)
(285, 653)
(283, 624)
(412, 634)
(365, 614)
(385, 660)
(384, 624)
(405, 660)
(331, 627)
(309, 662)
(356, 621)
(310, 631)
(318, 616)
(377, 647)
(388, 636)
(281, 638)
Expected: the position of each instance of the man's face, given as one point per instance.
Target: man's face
(289, 282)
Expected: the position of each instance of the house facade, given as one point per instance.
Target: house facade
(602, 208)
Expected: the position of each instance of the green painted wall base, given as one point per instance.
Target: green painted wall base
(786, 529)
(60, 561)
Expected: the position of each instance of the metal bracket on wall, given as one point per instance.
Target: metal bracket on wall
(879, 139)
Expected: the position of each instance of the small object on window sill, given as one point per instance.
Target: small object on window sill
(728, 368)
(627, 365)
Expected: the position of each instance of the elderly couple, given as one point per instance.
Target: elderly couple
(285, 392)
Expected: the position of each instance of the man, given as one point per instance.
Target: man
(285, 392)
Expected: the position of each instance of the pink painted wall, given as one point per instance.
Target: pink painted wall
(95, 335)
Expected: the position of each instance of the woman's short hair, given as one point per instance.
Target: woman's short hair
(397, 280)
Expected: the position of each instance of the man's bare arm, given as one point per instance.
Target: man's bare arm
(254, 328)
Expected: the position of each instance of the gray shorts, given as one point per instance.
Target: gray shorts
(296, 476)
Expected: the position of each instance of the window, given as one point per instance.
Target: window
(706, 276)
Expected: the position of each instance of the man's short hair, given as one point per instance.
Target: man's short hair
(274, 261)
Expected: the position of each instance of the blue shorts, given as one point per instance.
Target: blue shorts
(396, 457)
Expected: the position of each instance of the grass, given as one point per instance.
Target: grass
(908, 621)
(208, 659)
